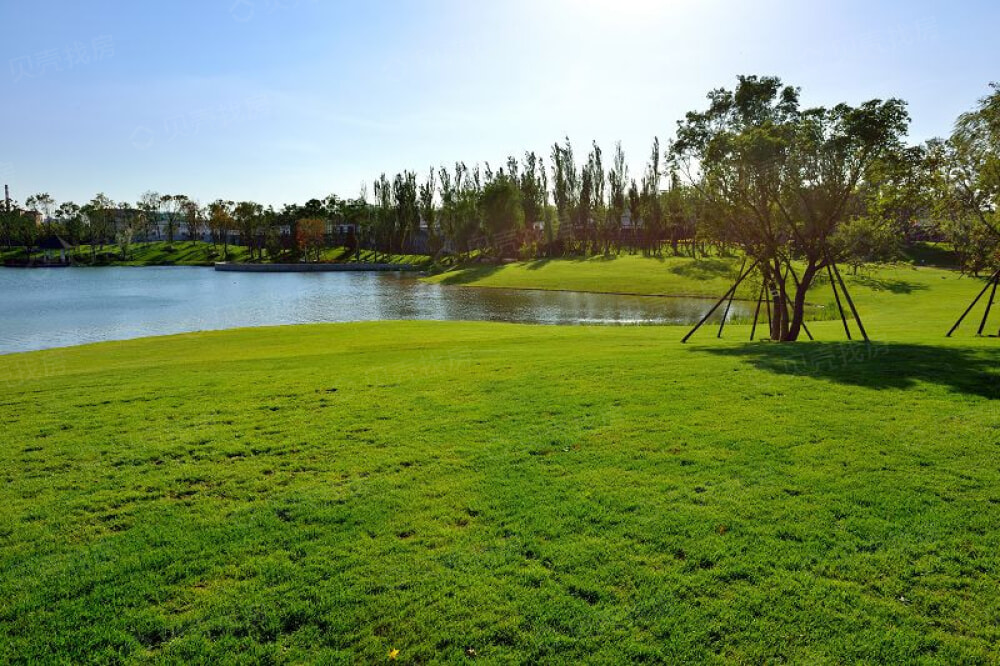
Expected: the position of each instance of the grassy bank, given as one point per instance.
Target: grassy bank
(659, 276)
(184, 253)
(921, 296)
(624, 274)
(331, 493)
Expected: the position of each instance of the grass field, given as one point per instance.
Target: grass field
(331, 493)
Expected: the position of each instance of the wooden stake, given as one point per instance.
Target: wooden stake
(992, 280)
(729, 306)
(756, 315)
(715, 307)
(989, 307)
(840, 306)
(850, 302)
(767, 299)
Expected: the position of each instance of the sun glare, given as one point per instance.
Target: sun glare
(624, 9)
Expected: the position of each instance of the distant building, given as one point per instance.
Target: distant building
(342, 228)
(628, 224)
(38, 218)
(157, 228)
(52, 244)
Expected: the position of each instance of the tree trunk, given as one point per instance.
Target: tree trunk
(799, 305)
(780, 320)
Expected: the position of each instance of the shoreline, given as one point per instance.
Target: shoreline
(313, 268)
(589, 291)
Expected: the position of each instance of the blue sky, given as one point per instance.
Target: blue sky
(284, 100)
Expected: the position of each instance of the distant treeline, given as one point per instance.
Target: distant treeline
(753, 172)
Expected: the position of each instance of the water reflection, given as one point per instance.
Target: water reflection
(59, 307)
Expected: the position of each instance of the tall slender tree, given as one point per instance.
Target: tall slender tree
(428, 212)
(565, 186)
(533, 184)
(652, 206)
(617, 183)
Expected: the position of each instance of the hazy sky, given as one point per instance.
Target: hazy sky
(284, 100)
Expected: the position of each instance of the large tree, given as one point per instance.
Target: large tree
(43, 204)
(783, 177)
(975, 165)
(966, 171)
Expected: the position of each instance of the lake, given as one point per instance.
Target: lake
(45, 308)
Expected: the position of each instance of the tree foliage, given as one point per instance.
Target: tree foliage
(783, 177)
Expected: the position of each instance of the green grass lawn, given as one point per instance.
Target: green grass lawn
(625, 274)
(536, 494)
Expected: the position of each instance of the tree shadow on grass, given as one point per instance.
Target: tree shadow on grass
(603, 257)
(704, 269)
(894, 286)
(470, 274)
(878, 366)
(930, 254)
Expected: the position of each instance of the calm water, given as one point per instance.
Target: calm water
(45, 308)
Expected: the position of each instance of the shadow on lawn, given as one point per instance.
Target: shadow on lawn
(893, 286)
(468, 274)
(878, 366)
(705, 269)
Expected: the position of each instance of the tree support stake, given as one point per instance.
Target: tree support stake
(992, 282)
(850, 302)
(731, 292)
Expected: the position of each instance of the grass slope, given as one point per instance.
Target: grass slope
(330, 493)
(904, 301)
(625, 274)
(186, 253)
(665, 275)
